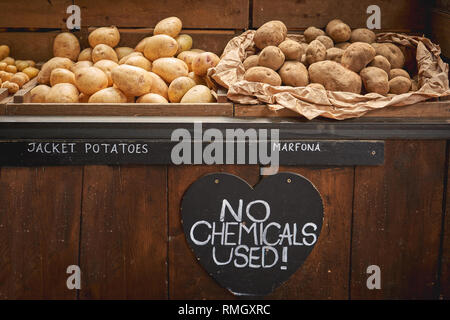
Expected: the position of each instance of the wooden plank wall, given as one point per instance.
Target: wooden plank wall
(225, 18)
(121, 225)
(210, 23)
(440, 26)
(403, 15)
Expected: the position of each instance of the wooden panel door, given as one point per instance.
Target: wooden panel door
(39, 231)
(124, 232)
(397, 221)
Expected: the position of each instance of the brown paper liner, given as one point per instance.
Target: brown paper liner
(312, 102)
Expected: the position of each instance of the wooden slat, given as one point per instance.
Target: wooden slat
(324, 275)
(124, 233)
(3, 94)
(134, 109)
(445, 259)
(440, 30)
(23, 95)
(39, 231)
(419, 110)
(34, 14)
(187, 278)
(397, 221)
(223, 14)
(436, 109)
(222, 95)
(402, 15)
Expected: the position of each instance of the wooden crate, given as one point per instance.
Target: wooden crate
(211, 25)
(405, 16)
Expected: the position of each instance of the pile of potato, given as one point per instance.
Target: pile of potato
(162, 68)
(335, 59)
(15, 73)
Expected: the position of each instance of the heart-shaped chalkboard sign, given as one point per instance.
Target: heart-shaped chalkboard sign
(251, 240)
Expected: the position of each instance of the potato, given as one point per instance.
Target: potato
(170, 68)
(357, 56)
(66, 45)
(83, 98)
(5, 76)
(131, 80)
(160, 46)
(197, 79)
(375, 80)
(188, 57)
(53, 63)
(250, 62)
(399, 85)
(31, 63)
(11, 69)
(133, 54)
(103, 52)
(326, 41)
(315, 52)
(271, 33)
(381, 62)
(62, 93)
(198, 94)
(391, 52)
(108, 95)
(31, 72)
(197, 50)
(90, 80)
(179, 87)
(151, 98)
(20, 78)
(398, 73)
(11, 86)
(140, 62)
(316, 86)
(184, 43)
(104, 35)
(39, 93)
(141, 45)
(159, 86)
(21, 65)
(312, 33)
(9, 61)
(271, 57)
(123, 51)
(342, 45)
(333, 76)
(80, 65)
(106, 66)
(363, 35)
(85, 55)
(60, 75)
(4, 51)
(169, 26)
(203, 61)
(263, 74)
(291, 49)
(3, 66)
(338, 31)
(335, 54)
(294, 73)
